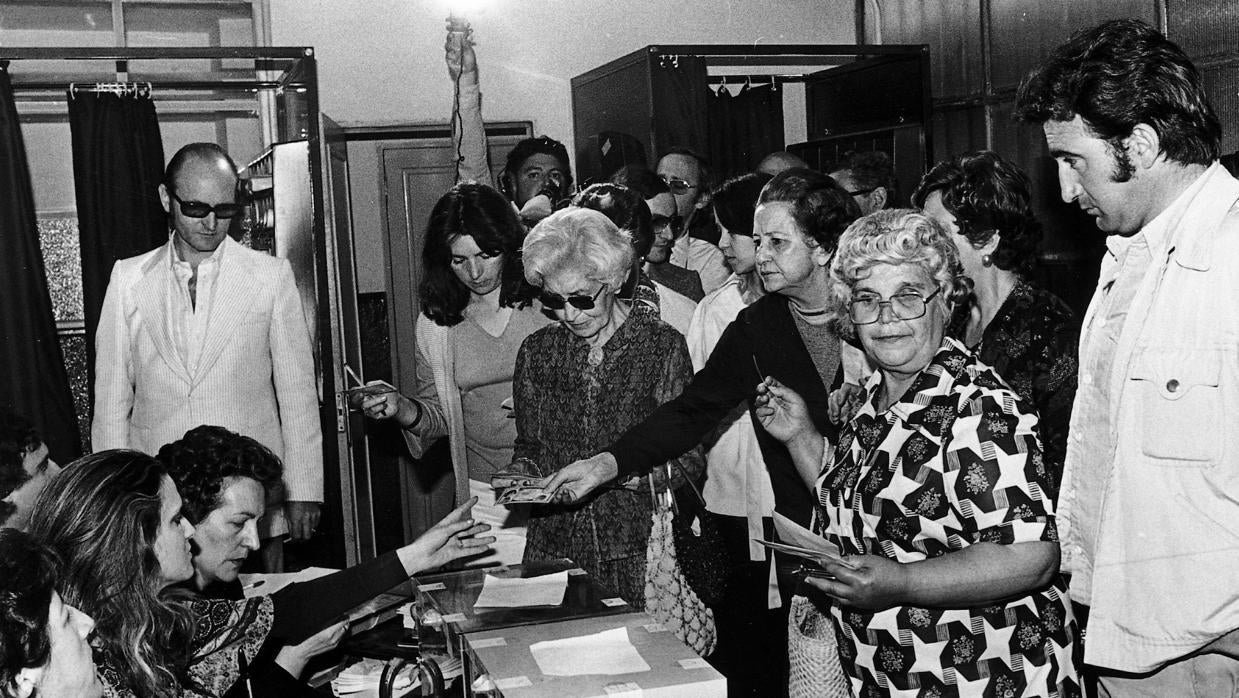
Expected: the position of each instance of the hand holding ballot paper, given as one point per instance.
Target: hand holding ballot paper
(358, 391)
(518, 488)
(870, 582)
(803, 543)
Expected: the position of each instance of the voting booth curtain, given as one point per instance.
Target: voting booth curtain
(33, 379)
(118, 164)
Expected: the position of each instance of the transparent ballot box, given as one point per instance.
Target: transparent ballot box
(627, 654)
(442, 607)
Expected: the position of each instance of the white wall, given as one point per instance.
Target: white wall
(381, 61)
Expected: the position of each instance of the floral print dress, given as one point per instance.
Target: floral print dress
(953, 463)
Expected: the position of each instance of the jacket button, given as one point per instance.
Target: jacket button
(1172, 385)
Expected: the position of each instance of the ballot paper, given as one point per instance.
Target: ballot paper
(800, 541)
(515, 592)
(609, 652)
(253, 585)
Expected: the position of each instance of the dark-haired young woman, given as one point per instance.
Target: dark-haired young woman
(476, 311)
(1027, 334)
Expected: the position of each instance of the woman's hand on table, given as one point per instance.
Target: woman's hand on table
(868, 582)
(293, 658)
(454, 537)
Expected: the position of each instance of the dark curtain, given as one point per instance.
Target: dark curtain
(33, 379)
(743, 129)
(679, 93)
(117, 167)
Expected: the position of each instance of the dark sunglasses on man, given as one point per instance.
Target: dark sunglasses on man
(197, 209)
(554, 301)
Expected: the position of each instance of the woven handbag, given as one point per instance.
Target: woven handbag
(699, 545)
(816, 671)
(668, 597)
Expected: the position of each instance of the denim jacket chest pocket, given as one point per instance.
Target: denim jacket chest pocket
(1181, 406)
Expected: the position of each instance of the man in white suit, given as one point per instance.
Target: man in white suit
(203, 330)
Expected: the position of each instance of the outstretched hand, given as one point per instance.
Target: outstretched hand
(458, 49)
(576, 480)
(454, 537)
(782, 411)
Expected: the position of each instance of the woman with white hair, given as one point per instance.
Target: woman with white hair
(581, 382)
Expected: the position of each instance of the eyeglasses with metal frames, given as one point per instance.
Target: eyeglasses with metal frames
(907, 305)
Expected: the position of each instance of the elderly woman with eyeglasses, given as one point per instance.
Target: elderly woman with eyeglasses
(935, 492)
(580, 383)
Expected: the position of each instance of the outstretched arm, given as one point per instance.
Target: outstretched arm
(468, 130)
(303, 609)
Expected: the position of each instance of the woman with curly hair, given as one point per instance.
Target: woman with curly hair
(115, 519)
(934, 492)
(1027, 334)
(475, 313)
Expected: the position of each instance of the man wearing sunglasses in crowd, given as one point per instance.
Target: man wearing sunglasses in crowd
(686, 175)
(869, 176)
(203, 330)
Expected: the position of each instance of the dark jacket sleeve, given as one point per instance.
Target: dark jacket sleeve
(304, 608)
(269, 680)
(728, 378)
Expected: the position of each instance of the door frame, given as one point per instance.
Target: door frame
(418, 507)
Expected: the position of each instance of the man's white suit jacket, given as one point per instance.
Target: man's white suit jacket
(255, 375)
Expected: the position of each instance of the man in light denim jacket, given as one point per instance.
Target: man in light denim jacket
(1149, 506)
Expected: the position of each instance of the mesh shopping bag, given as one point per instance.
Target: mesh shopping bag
(815, 668)
(668, 597)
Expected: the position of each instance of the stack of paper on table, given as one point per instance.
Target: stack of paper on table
(361, 680)
(515, 592)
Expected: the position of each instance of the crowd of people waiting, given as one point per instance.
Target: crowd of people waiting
(996, 474)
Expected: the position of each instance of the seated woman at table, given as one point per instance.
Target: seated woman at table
(935, 491)
(223, 478)
(580, 383)
(115, 519)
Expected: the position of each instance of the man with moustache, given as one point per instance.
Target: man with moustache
(1149, 507)
(203, 330)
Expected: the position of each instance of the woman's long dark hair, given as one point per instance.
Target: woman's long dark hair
(101, 515)
(486, 216)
